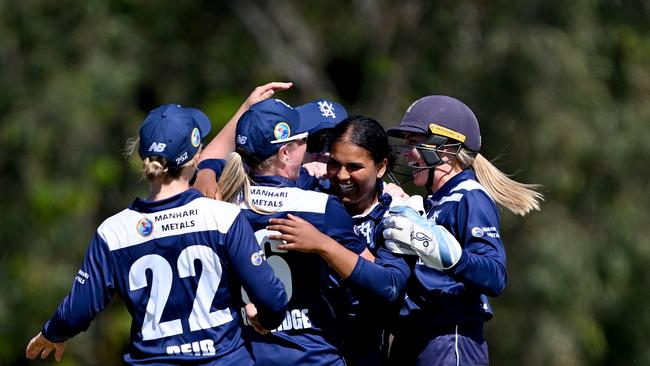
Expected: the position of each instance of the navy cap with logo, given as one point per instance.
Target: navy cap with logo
(174, 133)
(265, 126)
(320, 114)
(441, 115)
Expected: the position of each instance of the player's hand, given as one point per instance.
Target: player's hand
(206, 183)
(40, 345)
(264, 92)
(316, 169)
(405, 228)
(251, 314)
(396, 192)
(298, 234)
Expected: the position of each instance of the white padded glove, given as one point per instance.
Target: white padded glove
(406, 232)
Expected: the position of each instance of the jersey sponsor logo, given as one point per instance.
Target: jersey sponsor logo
(144, 227)
(326, 109)
(195, 137)
(81, 277)
(179, 224)
(204, 347)
(281, 131)
(157, 147)
(176, 215)
(266, 203)
(490, 231)
(265, 194)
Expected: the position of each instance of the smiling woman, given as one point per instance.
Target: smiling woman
(359, 159)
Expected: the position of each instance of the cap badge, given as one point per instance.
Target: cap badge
(443, 131)
(281, 131)
(326, 109)
(196, 137)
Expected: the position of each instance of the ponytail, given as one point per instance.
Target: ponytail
(519, 198)
(235, 183)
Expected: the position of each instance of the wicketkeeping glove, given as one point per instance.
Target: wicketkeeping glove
(407, 232)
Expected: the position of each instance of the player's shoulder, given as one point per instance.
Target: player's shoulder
(223, 214)
(468, 189)
(118, 219)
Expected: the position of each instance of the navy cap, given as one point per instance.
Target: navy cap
(441, 115)
(173, 132)
(265, 126)
(321, 114)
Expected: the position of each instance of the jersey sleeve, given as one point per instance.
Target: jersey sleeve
(92, 289)
(483, 261)
(215, 165)
(256, 275)
(340, 226)
(385, 278)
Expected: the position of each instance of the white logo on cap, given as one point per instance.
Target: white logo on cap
(326, 109)
(181, 159)
(157, 147)
(241, 140)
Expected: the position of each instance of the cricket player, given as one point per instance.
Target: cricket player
(173, 258)
(460, 255)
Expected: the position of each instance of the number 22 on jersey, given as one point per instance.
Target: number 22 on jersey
(161, 285)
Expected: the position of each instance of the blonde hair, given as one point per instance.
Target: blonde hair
(519, 198)
(235, 182)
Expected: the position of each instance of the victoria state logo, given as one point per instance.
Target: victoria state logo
(477, 232)
(281, 131)
(256, 259)
(195, 138)
(145, 227)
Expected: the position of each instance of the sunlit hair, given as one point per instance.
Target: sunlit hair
(154, 168)
(519, 198)
(235, 183)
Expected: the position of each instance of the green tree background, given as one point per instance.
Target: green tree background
(562, 91)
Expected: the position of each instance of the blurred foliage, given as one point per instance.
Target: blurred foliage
(561, 90)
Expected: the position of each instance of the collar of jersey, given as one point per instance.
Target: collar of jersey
(273, 181)
(379, 208)
(180, 199)
(451, 183)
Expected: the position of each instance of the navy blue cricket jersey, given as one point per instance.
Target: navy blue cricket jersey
(309, 334)
(172, 262)
(320, 345)
(365, 320)
(437, 299)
